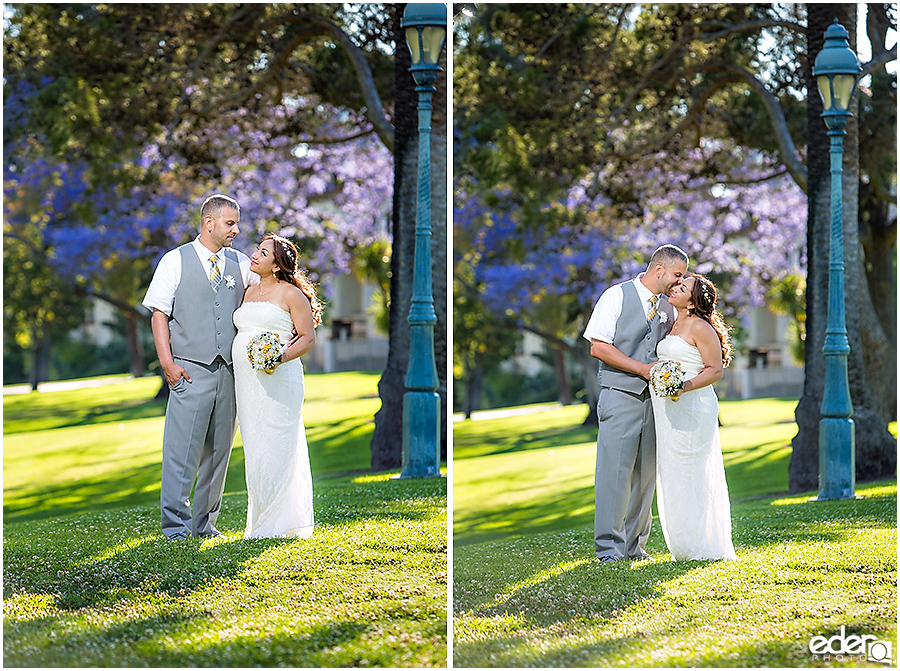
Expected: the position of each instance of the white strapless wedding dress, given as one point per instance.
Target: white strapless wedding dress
(269, 406)
(691, 492)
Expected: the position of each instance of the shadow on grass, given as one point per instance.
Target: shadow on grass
(755, 525)
(758, 651)
(138, 486)
(502, 441)
(35, 417)
(148, 641)
(534, 517)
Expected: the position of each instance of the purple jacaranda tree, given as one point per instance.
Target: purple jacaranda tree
(107, 237)
(738, 215)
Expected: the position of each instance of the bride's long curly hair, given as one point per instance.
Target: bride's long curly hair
(286, 255)
(704, 296)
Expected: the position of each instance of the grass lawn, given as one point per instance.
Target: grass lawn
(528, 591)
(89, 580)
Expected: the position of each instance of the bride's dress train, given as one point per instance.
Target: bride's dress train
(276, 457)
(691, 492)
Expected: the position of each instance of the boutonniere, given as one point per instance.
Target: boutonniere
(663, 317)
(229, 281)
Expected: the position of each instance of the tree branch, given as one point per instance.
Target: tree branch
(688, 120)
(192, 69)
(588, 10)
(115, 302)
(336, 140)
(375, 112)
(553, 339)
(879, 61)
(776, 115)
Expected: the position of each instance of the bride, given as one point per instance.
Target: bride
(269, 402)
(692, 495)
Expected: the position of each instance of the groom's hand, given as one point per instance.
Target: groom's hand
(174, 372)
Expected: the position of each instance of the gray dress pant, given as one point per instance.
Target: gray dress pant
(625, 476)
(200, 425)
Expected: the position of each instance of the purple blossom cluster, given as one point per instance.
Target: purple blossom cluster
(737, 215)
(331, 192)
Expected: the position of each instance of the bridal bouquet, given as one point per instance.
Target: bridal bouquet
(264, 351)
(666, 377)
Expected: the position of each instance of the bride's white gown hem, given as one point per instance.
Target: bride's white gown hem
(276, 456)
(691, 492)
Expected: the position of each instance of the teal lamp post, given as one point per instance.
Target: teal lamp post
(426, 31)
(836, 71)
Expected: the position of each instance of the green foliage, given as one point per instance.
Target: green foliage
(87, 574)
(372, 263)
(511, 388)
(788, 297)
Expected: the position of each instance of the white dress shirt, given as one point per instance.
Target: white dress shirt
(161, 292)
(602, 324)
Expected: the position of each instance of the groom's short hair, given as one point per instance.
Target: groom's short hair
(216, 203)
(667, 255)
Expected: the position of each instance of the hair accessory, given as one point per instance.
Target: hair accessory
(287, 249)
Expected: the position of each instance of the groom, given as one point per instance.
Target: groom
(194, 292)
(627, 323)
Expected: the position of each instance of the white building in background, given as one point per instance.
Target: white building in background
(764, 369)
(347, 339)
(98, 326)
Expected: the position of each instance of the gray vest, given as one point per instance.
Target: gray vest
(201, 324)
(635, 338)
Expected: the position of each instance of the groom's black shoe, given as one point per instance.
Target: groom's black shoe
(215, 533)
(606, 559)
(641, 557)
(177, 537)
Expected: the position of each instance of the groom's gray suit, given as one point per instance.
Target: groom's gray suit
(201, 414)
(625, 474)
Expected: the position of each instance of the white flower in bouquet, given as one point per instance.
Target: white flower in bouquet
(264, 351)
(666, 377)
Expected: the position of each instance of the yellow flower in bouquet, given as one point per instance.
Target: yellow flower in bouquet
(666, 377)
(264, 351)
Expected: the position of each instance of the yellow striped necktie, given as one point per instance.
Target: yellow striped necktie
(652, 313)
(215, 277)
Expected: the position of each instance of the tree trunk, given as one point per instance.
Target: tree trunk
(875, 448)
(387, 439)
(562, 376)
(474, 377)
(40, 357)
(135, 350)
(589, 366)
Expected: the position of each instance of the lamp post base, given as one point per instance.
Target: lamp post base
(837, 459)
(421, 435)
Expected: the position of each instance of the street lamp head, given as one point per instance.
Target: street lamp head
(836, 70)
(426, 31)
